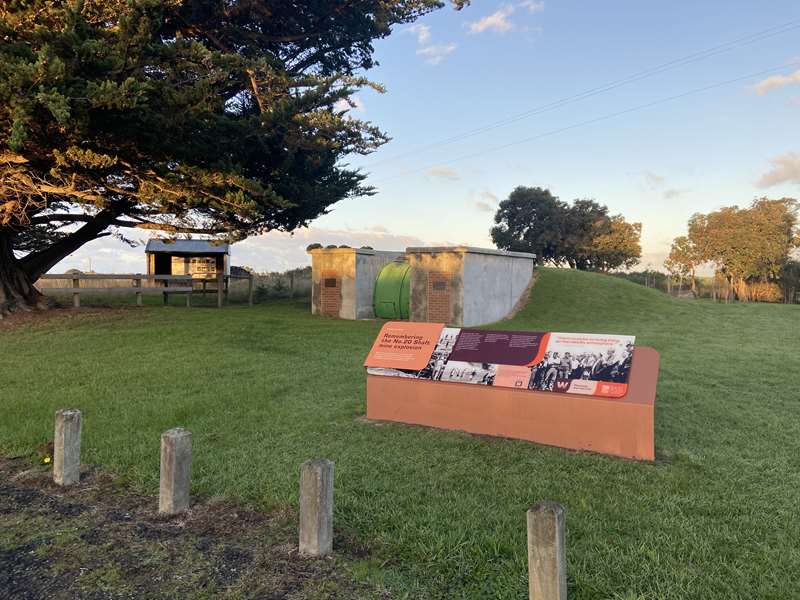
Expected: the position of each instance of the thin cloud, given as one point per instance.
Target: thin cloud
(785, 169)
(498, 21)
(776, 82)
(483, 206)
(435, 53)
(532, 6)
(673, 193)
(489, 197)
(445, 173)
(432, 53)
(653, 180)
(423, 33)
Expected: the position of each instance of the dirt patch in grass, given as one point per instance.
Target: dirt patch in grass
(60, 316)
(101, 540)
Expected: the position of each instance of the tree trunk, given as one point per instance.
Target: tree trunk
(17, 292)
(17, 275)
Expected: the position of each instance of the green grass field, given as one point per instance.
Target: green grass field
(268, 387)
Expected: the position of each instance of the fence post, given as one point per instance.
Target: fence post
(547, 560)
(220, 288)
(189, 293)
(76, 296)
(176, 471)
(250, 290)
(291, 285)
(316, 507)
(67, 447)
(137, 282)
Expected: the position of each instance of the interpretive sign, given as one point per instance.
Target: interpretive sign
(574, 363)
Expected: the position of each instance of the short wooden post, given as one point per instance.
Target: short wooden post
(547, 559)
(220, 288)
(250, 290)
(176, 471)
(137, 283)
(316, 507)
(67, 447)
(204, 287)
(76, 296)
(189, 293)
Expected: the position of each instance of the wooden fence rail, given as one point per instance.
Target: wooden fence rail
(155, 284)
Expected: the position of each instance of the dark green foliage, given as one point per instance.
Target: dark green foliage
(582, 235)
(186, 116)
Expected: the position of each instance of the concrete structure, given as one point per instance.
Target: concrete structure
(200, 258)
(67, 447)
(176, 471)
(458, 285)
(343, 281)
(547, 556)
(465, 286)
(316, 507)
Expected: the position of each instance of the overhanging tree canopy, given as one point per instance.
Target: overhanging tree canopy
(218, 117)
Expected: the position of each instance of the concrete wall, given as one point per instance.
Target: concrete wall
(432, 268)
(334, 262)
(460, 286)
(357, 270)
(493, 284)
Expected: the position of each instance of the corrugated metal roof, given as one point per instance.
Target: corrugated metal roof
(187, 246)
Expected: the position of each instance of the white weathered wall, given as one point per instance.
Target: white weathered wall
(493, 284)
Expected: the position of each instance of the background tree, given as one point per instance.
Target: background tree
(683, 260)
(746, 245)
(583, 221)
(616, 245)
(581, 235)
(209, 117)
(531, 220)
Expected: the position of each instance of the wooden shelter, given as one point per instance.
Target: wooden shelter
(203, 259)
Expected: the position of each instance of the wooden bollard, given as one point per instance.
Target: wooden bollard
(67, 447)
(316, 507)
(547, 558)
(176, 471)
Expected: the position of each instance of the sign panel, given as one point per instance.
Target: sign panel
(404, 346)
(575, 363)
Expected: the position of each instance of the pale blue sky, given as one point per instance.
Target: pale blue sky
(454, 72)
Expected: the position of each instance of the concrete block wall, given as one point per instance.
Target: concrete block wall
(437, 285)
(355, 271)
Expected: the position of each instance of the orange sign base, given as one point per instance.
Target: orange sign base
(618, 426)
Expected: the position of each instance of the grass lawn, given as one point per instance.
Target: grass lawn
(268, 387)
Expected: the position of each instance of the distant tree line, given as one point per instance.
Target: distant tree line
(582, 234)
(751, 250)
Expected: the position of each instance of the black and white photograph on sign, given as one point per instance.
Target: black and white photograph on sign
(442, 351)
(583, 357)
(393, 372)
(468, 372)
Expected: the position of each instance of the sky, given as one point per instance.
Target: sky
(656, 109)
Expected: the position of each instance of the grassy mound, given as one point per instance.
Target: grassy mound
(443, 513)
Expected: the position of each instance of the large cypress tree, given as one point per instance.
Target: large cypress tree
(187, 116)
